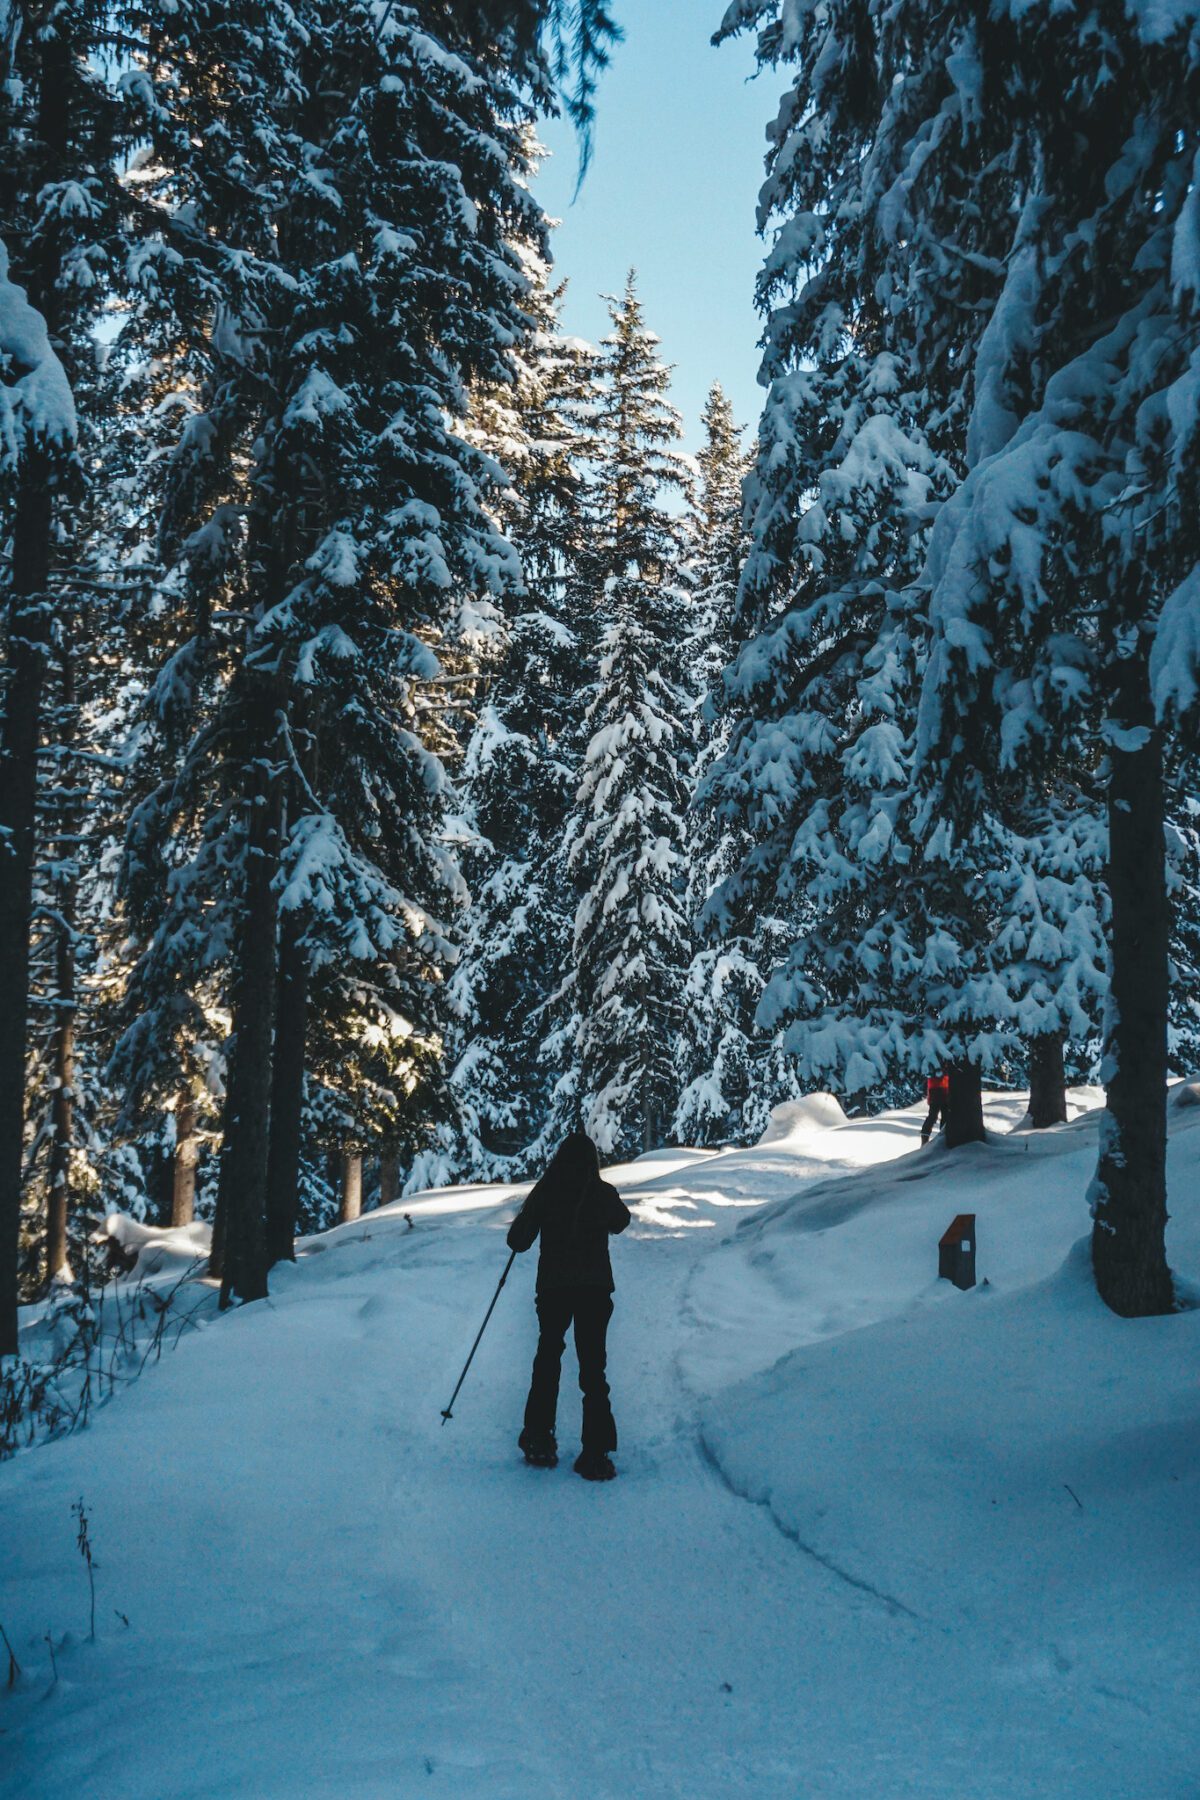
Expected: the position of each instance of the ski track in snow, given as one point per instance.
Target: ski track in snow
(331, 1594)
(896, 1607)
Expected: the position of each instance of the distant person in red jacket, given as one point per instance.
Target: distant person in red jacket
(937, 1092)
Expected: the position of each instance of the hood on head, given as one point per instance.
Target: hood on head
(577, 1155)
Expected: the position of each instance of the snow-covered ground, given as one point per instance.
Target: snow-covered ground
(872, 1537)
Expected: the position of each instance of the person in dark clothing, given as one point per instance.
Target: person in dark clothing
(937, 1092)
(575, 1213)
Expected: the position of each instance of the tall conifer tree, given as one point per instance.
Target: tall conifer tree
(855, 447)
(626, 838)
(1064, 572)
(373, 275)
(58, 226)
(731, 1073)
(521, 765)
(1034, 253)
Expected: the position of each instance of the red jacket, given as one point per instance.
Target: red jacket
(937, 1084)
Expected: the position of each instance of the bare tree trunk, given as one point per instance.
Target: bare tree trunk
(242, 1196)
(964, 1114)
(287, 1094)
(291, 1019)
(1129, 1194)
(650, 1137)
(27, 646)
(58, 1199)
(28, 641)
(66, 817)
(1047, 1081)
(351, 1207)
(183, 1162)
(220, 1234)
(389, 1177)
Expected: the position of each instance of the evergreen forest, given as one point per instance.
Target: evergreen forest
(410, 754)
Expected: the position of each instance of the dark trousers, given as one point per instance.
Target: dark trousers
(939, 1106)
(590, 1308)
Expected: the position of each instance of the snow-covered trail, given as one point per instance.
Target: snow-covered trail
(331, 1594)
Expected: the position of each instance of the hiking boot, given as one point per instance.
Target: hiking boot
(595, 1465)
(539, 1448)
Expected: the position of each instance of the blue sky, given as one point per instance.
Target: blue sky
(671, 191)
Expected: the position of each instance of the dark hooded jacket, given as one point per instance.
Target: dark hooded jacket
(575, 1212)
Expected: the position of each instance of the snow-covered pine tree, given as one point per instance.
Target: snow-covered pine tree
(52, 1081)
(375, 1087)
(717, 538)
(731, 1075)
(1064, 573)
(1183, 875)
(856, 446)
(58, 224)
(79, 1165)
(216, 94)
(966, 184)
(937, 931)
(632, 939)
(162, 542)
(521, 764)
(376, 277)
(425, 532)
(118, 626)
(67, 1112)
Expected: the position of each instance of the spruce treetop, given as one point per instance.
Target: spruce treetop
(636, 436)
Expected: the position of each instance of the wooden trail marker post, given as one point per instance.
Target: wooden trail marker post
(956, 1252)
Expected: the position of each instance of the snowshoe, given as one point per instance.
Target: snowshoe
(595, 1465)
(540, 1450)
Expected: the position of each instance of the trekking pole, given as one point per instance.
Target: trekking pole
(448, 1411)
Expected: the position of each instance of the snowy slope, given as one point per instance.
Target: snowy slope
(1009, 1474)
(840, 1560)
